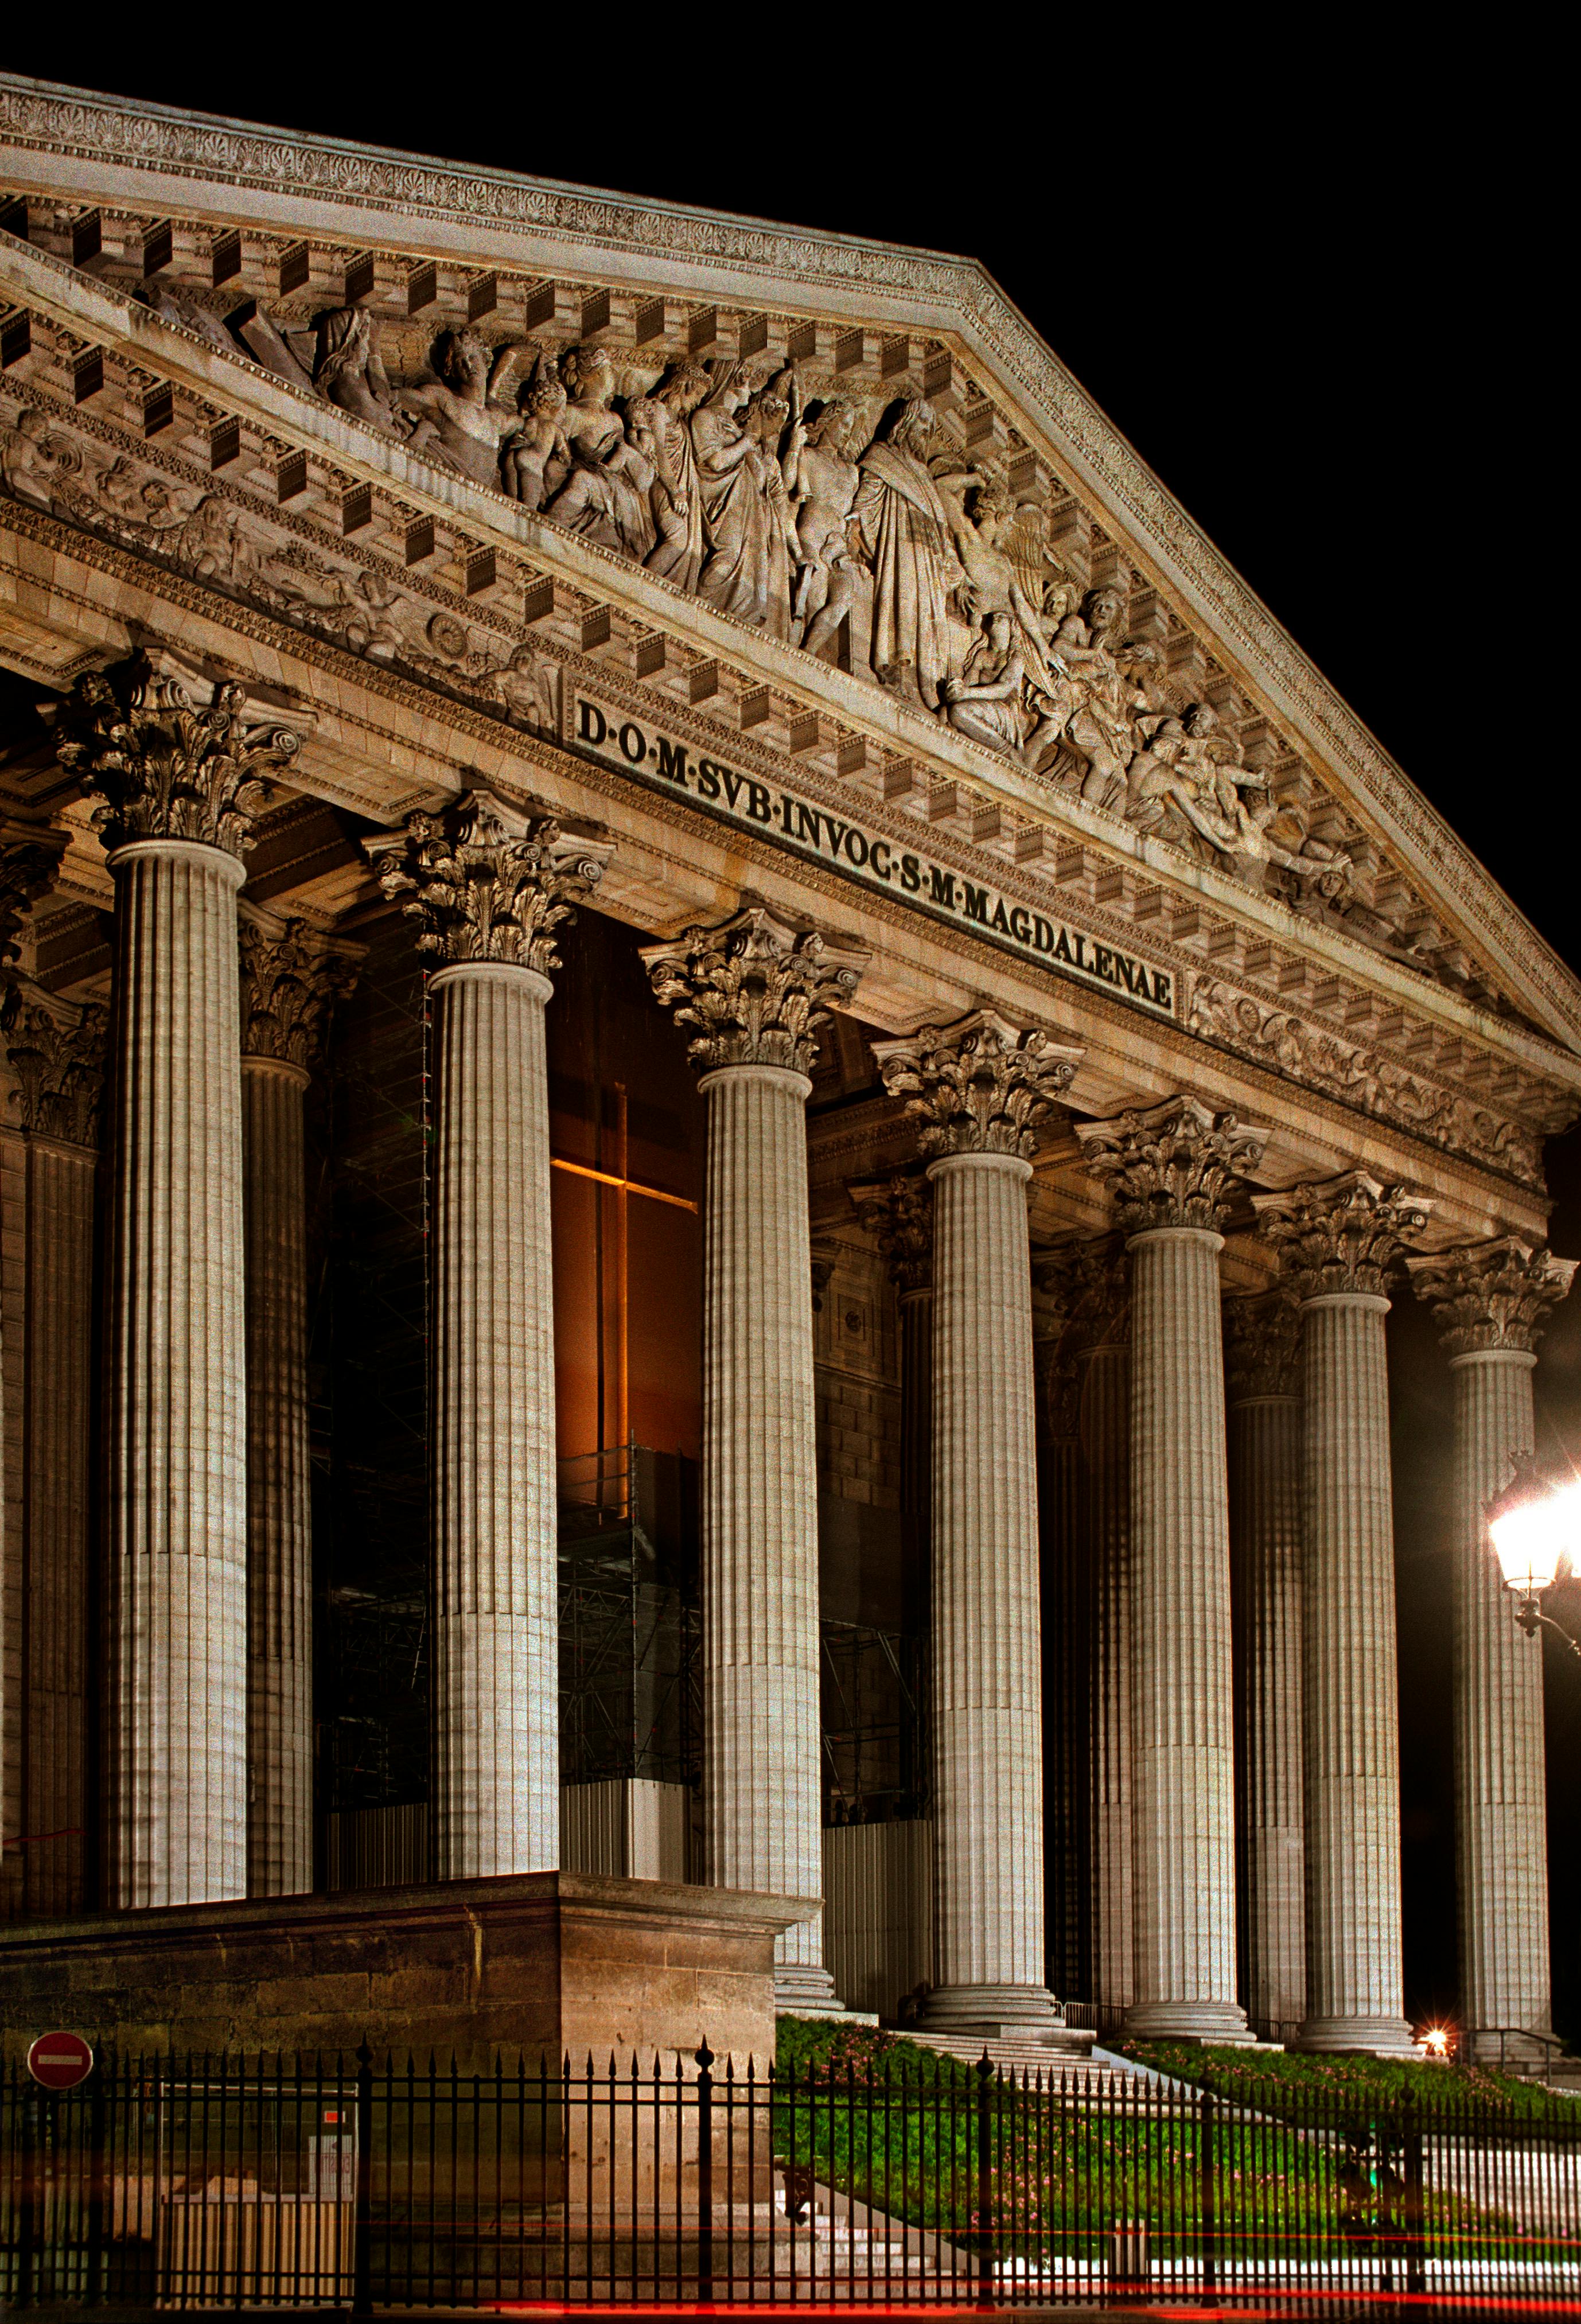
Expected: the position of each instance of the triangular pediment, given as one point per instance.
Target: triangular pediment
(828, 496)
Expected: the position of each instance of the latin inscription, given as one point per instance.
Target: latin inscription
(871, 858)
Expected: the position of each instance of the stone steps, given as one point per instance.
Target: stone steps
(1063, 2052)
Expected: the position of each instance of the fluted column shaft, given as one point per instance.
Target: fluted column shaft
(1182, 1740)
(279, 1665)
(1500, 1811)
(1265, 1526)
(1354, 1973)
(917, 1406)
(496, 1751)
(176, 1580)
(1106, 1502)
(56, 1409)
(760, 1676)
(988, 1744)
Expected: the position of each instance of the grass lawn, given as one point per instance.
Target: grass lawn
(1265, 2079)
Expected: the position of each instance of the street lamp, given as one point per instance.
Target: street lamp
(1535, 1528)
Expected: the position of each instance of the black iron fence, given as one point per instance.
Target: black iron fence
(204, 2182)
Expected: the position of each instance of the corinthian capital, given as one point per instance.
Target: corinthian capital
(756, 988)
(1262, 1345)
(980, 1085)
(898, 1211)
(1176, 1165)
(488, 882)
(1342, 1236)
(163, 767)
(291, 976)
(57, 1051)
(28, 855)
(1491, 1295)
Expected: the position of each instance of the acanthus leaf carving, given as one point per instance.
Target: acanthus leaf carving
(1342, 1237)
(898, 1212)
(753, 989)
(487, 881)
(978, 1085)
(292, 975)
(161, 766)
(1491, 1295)
(57, 1052)
(29, 857)
(1262, 1345)
(1173, 1165)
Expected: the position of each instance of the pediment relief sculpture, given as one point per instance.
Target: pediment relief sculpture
(868, 524)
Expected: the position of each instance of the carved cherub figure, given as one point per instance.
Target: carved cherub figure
(538, 457)
(459, 424)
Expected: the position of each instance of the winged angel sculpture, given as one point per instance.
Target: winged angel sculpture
(849, 526)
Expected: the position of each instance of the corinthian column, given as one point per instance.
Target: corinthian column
(898, 1212)
(487, 886)
(178, 787)
(290, 974)
(754, 991)
(1491, 1302)
(1263, 1372)
(1337, 1242)
(980, 1086)
(57, 1052)
(754, 995)
(1172, 1170)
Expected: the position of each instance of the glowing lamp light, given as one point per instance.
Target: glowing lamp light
(1534, 1528)
(1436, 2042)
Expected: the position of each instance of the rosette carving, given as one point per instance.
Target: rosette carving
(57, 1051)
(292, 974)
(898, 1212)
(163, 768)
(1342, 1236)
(755, 990)
(980, 1085)
(1262, 1345)
(1491, 1295)
(1175, 1164)
(488, 882)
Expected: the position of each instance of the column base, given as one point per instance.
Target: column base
(805, 1990)
(997, 2012)
(1372, 2037)
(1519, 2051)
(1222, 2022)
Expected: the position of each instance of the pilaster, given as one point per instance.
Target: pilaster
(980, 1088)
(1338, 1244)
(488, 885)
(753, 992)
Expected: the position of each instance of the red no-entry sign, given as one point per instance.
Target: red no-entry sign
(59, 2061)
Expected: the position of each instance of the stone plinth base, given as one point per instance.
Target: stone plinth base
(1358, 2037)
(541, 1963)
(1221, 2023)
(997, 2012)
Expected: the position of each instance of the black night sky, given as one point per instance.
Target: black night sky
(1317, 285)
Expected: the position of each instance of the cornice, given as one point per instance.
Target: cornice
(297, 179)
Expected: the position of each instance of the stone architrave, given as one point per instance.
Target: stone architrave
(981, 1087)
(178, 785)
(1491, 1302)
(1172, 1170)
(898, 1212)
(1263, 1378)
(488, 884)
(57, 1052)
(290, 975)
(1338, 1243)
(752, 993)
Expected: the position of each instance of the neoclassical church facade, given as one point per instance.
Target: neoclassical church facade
(718, 1068)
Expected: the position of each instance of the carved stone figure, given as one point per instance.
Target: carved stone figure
(1090, 706)
(822, 477)
(607, 497)
(537, 456)
(677, 501)
(905, 531)
(745, 512)
(458, 422)
(988, 702)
